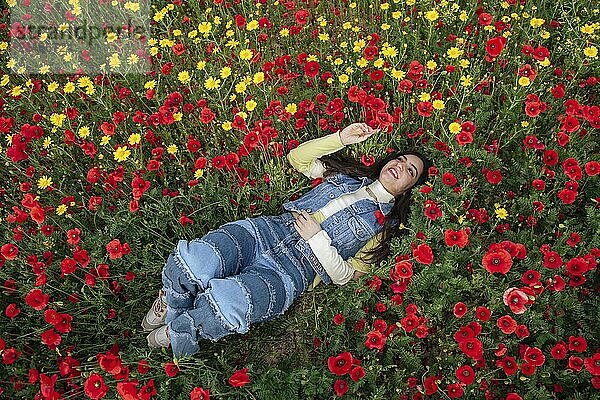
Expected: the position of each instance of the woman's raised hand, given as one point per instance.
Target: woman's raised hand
(356, 133)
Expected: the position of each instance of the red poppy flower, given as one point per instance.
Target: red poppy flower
(494, 46)
(494, 177)
(432, 211)
(534, 356)
(559, 351)
(550, 158)
(507, 324)
(508, 364)
(415, 70)
(338, 319)
(540, 53)
(592, 364)
(114, 249)
(36, 299)
(465, 374)
(340, 387)
(171, 369)
(9, 251)
(375, 340)
(51, 339)
(409, 322)
(239, 378)
(460, 309)
(592, 168)
(522, 331)
(455, 390)
(464, 333)
(575, 363)
(577, 343)
(206, 115)
(485, 19)
(94, 387)
(405, 86)
(178, 49)
(340, 364)
(12, 311)
(483, 313)
(497, 261)
(357, 373)
(127, 389)
(423, 254)
(198, 393)
(430, 385)
(567, 196)
(425, 108)
(516, 299)
(472, 348)
(311, 69)
(527, 369)
(464, 138)
(301, 17)
(459, 238)
(402, 270)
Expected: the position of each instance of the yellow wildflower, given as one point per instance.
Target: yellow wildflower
(246, 54)
(251, 105)
(424, 96)
(536, 22)
(226, 125)
(204, 27)
(211, 83)
(591, 51)
(398, 74)
(172, 149)
(343, 78)
(57, 119)
(501, 213)
(225, 72)
(455, 127)
(291, 108)
(438, 104)
(240, 87)
(465, 80)
(134, 139)
(252, 25)
(44, 182)
(524, 81)
(60, 210)
(454, 52)
(432, 15)
(121, 153)
(258, 77)
(84, 132)
(184, 77)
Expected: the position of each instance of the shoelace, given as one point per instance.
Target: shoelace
(159, 307)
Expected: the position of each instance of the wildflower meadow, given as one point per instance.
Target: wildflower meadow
(492, 294)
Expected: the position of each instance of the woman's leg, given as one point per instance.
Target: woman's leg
(191, 265)
(230, 305)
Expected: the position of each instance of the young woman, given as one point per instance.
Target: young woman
(252, 270)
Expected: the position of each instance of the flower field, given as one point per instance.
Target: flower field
(493, 294)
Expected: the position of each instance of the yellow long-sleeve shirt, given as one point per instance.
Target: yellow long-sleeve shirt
(305, 159)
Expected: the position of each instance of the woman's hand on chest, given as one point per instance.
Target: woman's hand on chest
(306, 225)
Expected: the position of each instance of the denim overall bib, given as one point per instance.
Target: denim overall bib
(251, 270)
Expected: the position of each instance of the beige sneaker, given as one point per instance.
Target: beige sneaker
(155, 317)
(159, 337)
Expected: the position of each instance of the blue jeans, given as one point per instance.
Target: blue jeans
(244, 272)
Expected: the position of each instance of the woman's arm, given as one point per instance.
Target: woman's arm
(340, 271)
(305, 157)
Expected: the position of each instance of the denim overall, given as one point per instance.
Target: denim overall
(251, 270)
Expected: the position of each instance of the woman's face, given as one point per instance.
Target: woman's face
(400, 174)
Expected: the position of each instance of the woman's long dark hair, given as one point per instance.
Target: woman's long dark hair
(339, 163)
